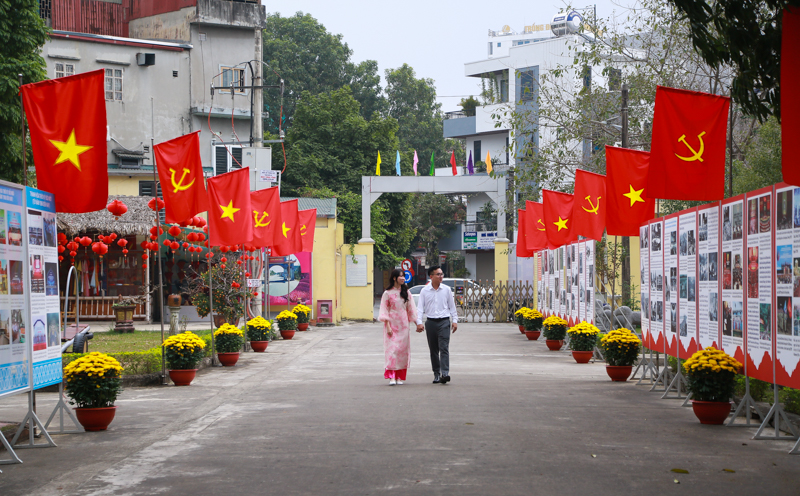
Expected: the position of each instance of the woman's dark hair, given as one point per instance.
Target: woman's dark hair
(403, 288)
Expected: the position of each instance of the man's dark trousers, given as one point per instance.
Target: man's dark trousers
(438, 333)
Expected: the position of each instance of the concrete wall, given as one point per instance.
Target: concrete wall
(326, 283)
(495, 144)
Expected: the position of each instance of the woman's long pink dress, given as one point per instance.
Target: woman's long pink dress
(396, 314)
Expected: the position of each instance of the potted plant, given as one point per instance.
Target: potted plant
(229, 294)
(519, 317)
(621, 349)
(555, 330)
(258, 332)
(183, 351)
(93, 384)
(711, 377)
(532, 323)
(287, 323)
(123, 313)
(303, 313)
(228, 340)
(582, 338)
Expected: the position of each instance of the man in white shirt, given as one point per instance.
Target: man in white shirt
(437, 303)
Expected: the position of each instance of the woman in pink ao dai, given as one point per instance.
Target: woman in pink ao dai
(397, 311)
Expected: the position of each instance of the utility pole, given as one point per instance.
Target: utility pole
(626, 241)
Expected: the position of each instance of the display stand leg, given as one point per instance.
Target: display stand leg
(60, 409)
(663, 379)
(32, 421)
(796, 449)
(678, 384)
(14, 458)
(648, 368)
(598, 355)
(747, 404)
(777, 413)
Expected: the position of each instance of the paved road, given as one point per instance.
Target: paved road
(315, 416)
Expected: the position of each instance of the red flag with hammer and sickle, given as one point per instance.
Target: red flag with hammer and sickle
(687, 151)
(790, 95)
(180, 172)
(535, 233)
(308, 224)
(266, 204)
(522, 238)
(287, 238)
(588, 213)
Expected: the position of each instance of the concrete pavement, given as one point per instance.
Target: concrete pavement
(314, 416)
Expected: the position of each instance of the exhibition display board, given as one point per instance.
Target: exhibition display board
(566, 281)
(787, 285)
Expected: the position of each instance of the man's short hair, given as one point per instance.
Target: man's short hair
(433, 269)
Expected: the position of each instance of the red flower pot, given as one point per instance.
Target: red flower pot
(532, 335)
(619, 373)
(228, 359)
(259, 346)
(554, 344)
(287, 334)
(95, 419)
(582, 356)
(522, 329)
(302, 327)
(711, 412)
(182, 377)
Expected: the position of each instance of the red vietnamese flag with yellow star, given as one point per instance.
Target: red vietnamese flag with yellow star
(558, 218)
(535, 233)
(308, 224)
(230, 217)
(522, 238)
(67, 121)
(266, 212)
(626, 187)
(287, 239)
(589, 211)
(687, 149)
(180, 171)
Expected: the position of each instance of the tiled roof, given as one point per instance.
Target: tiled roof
(326, 207)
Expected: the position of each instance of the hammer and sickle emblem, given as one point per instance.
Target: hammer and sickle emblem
(303, 230)
(260, 222)
(696, 155)
(179, 186)
(594, 208)
(542, 223)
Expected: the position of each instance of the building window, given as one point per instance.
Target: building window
(507, 149)
(114, 84)
(224, 162)
(614, 79)
(504, 88)
(63, 69)
(498, 45)
(234, 76)
(526, 86)
(490, 48)
(477, 147)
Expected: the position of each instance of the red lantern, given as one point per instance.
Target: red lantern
(86, 241)
(144, 265)
(205, 229)
(255, 293)
(223, 249)
(200, 222)
(174, 231)
(235, 248)
(206, 244)
(247, 274)
(209, 255)
(60, 258)
(223, 259)
(73, 246)
(124, 252)
(117, 208)
(238, 262)
(145, 256)
(200, 237)
(152, 204)
(153, 230)
(102, 249)
(223, 266)
(185, 245)
(62, 238)
(167, 242)
(112, 236)
(174, 246)
(73, 253)
(101, 238)
(61, 249)
(190, 237)
(122, 242)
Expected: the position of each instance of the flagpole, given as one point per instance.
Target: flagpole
(22, 122)
(160, 272)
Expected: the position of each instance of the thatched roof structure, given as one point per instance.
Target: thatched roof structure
(137, 220)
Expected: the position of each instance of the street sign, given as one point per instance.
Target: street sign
(253, 283)
(408, 276)
(406, 264)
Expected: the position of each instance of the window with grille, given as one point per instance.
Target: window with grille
(63, 69)
(146, 189)
(223, 162)
(234, 76)
(114, 84)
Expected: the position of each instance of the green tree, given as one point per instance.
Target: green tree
(22, 33)
(434, 217)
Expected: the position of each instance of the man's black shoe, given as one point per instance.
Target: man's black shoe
(445, 379)
(436, 379)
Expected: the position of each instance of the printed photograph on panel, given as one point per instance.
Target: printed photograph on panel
(49, 223)
(37, 274)
(2, 227)
(659, 282)
(712, 266)
(53, 329)
(673, 318)
(737, 271)
(653, 311)
(14, 228)
(764, 214)
(796, 317)
(684, 287)
(736, 221)
(684, 244)
(4, 277)
(783, 264)
(796, 278)
(591, 276)
(684, 326)
(783, 315)
(752, 272)
(645, 305)
(765, 322)
(35, 229)
(783, 210)
(702, 226)
(659, 311)
(645, 240)
(727, 270)
(673, 243)
(5, 328)
(17, 327)
(655, 242)
(727, 318)
(738, 319)
(39, 332)
(796, 213)
(15, 277)
(752, 216)
(673, 278)
(727, 228)
(713, 307)
(692, 243)
(50, 279)
(692, 288)
(703, 266)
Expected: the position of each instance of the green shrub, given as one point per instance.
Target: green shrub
(134, 362)
(790, 399)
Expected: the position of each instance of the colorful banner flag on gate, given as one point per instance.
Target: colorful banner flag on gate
(378, 165)
(453, 163)
(522, 240)
(67, 122)
(589, 211)
(180, 171)
(288, 239)
(416, 161)
(687, 151)
(488, 163)
(266, 207)
(433, 167)
(558, 217)
(629, 204)
(397, 163)
(790, 95)
(535, 232)
(470, 168)
(308, 223)
(230, 220)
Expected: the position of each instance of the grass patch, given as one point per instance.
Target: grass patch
(117, 342)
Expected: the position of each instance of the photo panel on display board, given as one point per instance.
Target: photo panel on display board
(669, 339)
(731, 272)
(582, 282)
(687, 273)
(787, 285)
(658, 309)
(644, 266)
(567, 285)
(708, 301)
(759, 277)
(589, 272)
(573, 303)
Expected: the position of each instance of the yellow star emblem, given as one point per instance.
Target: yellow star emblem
(285, 230)
(634, 195)
(562, 223)
(228, 211)
(70, 150)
